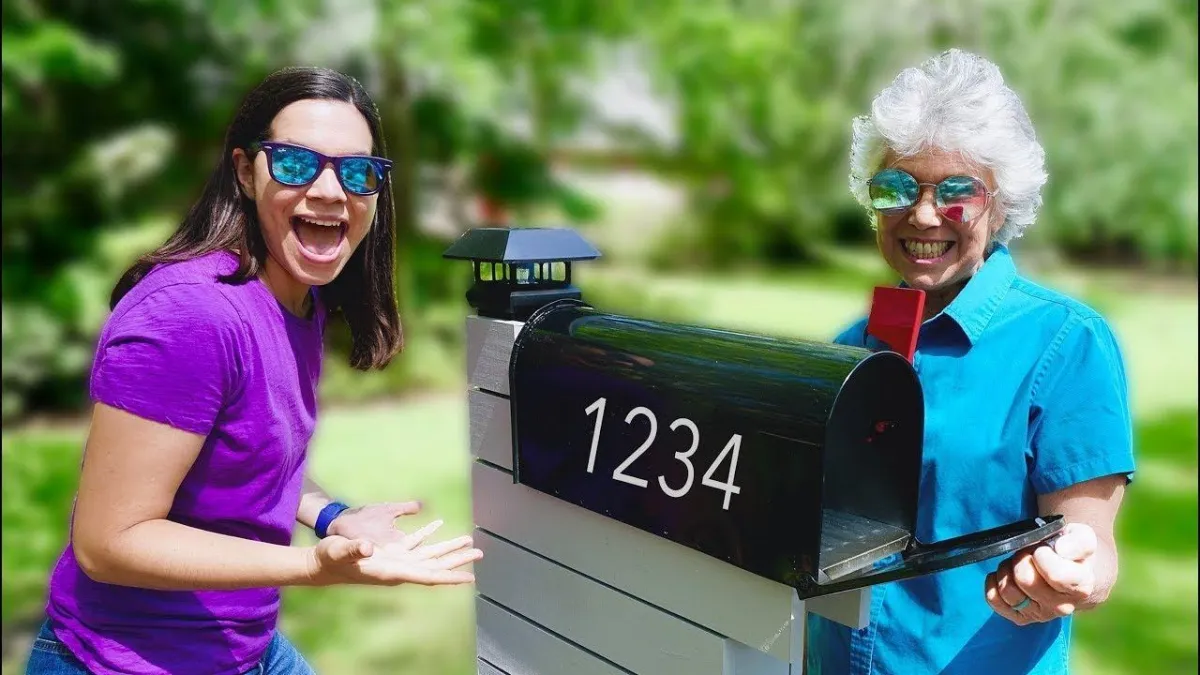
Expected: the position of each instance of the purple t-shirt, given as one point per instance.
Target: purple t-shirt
(229, 362)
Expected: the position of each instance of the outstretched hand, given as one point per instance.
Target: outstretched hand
(374, 522)
(339, 560)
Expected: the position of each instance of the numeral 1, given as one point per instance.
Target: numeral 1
(595, 407)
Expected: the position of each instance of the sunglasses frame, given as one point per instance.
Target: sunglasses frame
(384, 165)
(941, 209)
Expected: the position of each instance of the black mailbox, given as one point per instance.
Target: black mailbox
(797, 461)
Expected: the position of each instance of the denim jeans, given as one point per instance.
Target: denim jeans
(49, 656)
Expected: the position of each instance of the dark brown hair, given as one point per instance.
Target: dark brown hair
(224, 218)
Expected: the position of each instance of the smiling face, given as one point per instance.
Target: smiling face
(928, 251)
(312, 230)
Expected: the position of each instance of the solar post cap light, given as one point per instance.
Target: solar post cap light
(519, 270)
(731, 480)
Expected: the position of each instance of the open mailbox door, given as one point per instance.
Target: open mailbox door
(796, 461)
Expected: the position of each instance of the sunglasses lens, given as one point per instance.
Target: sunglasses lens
(892, 190)
(293, 166)
(962, 198)
(360, 176)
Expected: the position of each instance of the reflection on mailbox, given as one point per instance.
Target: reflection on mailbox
(797, 461)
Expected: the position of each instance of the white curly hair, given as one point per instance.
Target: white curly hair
(956, 102)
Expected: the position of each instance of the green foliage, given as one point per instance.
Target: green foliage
(113, 114)
(107, 119)
(765, 93)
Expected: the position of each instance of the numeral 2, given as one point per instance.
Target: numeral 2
(732, 450)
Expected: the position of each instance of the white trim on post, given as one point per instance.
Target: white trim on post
(489, 346)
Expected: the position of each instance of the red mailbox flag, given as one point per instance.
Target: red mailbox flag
(895, 318)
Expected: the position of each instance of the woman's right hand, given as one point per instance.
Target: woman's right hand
(338, 560)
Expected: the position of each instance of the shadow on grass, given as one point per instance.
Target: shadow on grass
(1148, 624)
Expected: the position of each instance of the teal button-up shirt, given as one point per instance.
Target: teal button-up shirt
(1025, 394)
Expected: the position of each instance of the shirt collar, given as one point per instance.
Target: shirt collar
(975, 304)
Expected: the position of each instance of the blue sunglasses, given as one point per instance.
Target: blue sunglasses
(296, 166)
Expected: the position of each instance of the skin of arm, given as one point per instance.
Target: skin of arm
(1079, 572)
(374, 522)
(120, 533)
(1094, 503)
(312, 501)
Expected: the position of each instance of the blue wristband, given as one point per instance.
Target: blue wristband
(331, 511)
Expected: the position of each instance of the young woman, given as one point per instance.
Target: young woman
(205, 389)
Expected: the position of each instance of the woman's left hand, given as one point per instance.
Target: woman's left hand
(374, 522)
(1045, 582)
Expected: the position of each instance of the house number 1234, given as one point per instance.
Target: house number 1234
(731, 448)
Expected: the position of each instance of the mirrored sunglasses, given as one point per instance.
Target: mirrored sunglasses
(297, 166)
(961, 199)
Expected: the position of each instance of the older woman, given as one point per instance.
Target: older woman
(1026, 400)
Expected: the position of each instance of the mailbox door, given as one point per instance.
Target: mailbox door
(922, 559)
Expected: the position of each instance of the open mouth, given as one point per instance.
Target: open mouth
(320, 239)
(926, 251)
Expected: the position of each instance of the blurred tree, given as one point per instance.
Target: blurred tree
(765, 93)
(113, 114)
(110, 112)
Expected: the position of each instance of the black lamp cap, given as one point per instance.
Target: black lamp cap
(524, 244)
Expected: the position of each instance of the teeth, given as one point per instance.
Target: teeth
(926, 249)
(321, 223)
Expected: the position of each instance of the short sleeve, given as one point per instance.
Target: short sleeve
(853, 335)
(171, 357)
(1082, 425)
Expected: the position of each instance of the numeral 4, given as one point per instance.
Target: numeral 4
(734, 445)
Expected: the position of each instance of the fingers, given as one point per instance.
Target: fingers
(443, 577)
(458, 558)
(409, 508)
(445, 570)
(444, 547)
(414, 540)
(1027, 580)
(1072, 581)
(1076, 543)
(1005, 595)
(392, 570)
(1006, 584)
(1036, 585)
(998, 605)
(342, 550)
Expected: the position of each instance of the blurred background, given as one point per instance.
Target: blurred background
(700, 144)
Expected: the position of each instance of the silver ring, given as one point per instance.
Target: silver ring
(1022, 604)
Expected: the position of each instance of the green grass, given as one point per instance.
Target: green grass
(40, 474)
(1149, 623)
(416, 448)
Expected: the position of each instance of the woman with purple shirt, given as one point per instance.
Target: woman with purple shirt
(205, 389)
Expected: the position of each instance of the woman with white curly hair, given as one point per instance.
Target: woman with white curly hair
(1026, 400)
